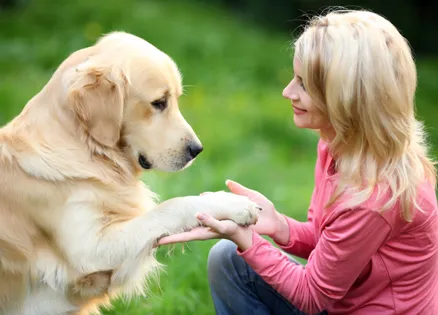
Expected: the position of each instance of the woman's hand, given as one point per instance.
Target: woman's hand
(211, 229)
(270, 223)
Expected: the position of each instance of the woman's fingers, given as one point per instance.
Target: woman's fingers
(208, 220)
(198, 233)
(238, 189)
(225, 228)
(210, 229)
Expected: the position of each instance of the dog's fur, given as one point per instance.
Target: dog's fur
(77, 226)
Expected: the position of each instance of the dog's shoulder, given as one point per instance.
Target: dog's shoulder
(124, 201)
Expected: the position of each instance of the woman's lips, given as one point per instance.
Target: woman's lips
(299, 111)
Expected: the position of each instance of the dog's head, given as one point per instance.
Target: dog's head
(126, 91)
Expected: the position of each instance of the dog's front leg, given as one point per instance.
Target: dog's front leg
(127, 248)
(177, 215)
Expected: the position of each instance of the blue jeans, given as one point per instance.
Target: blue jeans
(237, 289)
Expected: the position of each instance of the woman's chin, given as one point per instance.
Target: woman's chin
(300, 122)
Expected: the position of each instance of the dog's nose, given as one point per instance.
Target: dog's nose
(194, 149)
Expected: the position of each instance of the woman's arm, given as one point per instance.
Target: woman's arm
(295, 237)
(346, 245)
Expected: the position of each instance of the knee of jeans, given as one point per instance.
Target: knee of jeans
(221, 257)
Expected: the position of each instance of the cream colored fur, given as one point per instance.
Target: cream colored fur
(77, 226)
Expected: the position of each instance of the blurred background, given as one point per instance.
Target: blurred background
(235, 57)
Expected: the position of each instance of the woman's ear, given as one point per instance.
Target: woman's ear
(97, 101)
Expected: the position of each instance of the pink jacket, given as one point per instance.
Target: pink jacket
(359, 262)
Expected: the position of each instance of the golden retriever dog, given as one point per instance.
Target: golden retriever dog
(77, 226)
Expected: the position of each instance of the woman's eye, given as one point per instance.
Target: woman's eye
(300, 81)
(160, 104)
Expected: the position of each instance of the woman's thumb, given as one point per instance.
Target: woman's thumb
(208, 220)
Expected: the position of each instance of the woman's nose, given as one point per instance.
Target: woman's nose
(290, 94)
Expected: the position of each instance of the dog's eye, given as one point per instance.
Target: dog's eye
(160, 104)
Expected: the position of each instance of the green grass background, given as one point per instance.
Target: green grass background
(234, 72)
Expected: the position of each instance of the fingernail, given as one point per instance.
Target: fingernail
(201, 216)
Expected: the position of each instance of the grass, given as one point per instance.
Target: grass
(234, 73)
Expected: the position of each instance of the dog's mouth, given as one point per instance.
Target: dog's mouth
(165, 163)
(144, 163)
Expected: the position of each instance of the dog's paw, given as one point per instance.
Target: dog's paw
(237, 208)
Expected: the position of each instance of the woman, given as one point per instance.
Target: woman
(371, 234)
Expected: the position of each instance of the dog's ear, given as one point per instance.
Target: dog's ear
(96, 99)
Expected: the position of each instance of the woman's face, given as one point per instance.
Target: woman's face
(306, 114)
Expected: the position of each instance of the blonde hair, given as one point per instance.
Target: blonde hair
(359, 71)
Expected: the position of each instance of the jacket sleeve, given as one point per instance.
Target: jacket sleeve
(302, 240)
(346, 244)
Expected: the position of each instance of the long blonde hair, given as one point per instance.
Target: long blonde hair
(359, 71)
